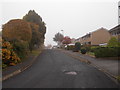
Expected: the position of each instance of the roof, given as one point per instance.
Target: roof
(117, 28)
(94, 31)
(91, 32)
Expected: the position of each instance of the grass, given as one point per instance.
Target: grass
(118, 78)
(91, 53)
(36, 52)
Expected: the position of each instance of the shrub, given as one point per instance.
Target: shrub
(93, 48)
(9, 57)
(17, 29)
(77, 46)
(21, 48)
(113, 42)
(83, 51)
(107, 52)
(4, 65)
(70, 47)
(87, 47)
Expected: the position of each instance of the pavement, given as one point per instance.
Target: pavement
(107, 65)
(14, 70)
(55, 69)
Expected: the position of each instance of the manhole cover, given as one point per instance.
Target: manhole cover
(71, 73)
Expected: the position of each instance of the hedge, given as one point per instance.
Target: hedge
(70, 47)
(107, 52)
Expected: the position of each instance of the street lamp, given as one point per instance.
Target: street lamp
(62, 32)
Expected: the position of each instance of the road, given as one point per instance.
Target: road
(54, 69)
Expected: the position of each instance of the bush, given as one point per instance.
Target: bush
(87, 47)
(70, 47)
(77, 46)
(93, 48)
(17, 29)
(83, 51)
(9, 57)
(113, 42)
(21, 48)
(107, 52)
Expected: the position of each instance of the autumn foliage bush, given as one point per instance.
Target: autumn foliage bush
(9, 57)
(17, 29)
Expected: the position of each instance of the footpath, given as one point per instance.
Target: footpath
(109, 67)
(14, 70)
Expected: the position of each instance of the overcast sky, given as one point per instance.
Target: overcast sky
(75, 17)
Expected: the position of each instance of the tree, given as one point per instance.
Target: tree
(36, 36)
(58, 38)
(17, 29)
(66, 40)
(33, 17)
(38, 30)
(113, 42)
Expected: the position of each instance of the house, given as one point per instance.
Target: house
(115, 32)
(73, 40)
(95, 38)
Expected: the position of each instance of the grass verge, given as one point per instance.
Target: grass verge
(118, 77)
(36, 52)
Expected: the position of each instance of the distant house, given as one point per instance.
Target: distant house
(73, 40)
(115, 32)
(98, 37)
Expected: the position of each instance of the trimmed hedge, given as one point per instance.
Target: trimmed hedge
(107, 52)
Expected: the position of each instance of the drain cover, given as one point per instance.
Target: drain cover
(71, 73)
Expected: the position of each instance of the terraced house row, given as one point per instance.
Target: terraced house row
(100, 36)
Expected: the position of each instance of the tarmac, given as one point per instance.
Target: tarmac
(109, 67)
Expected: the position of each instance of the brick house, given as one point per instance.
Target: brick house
(95, 38)
(115, 32)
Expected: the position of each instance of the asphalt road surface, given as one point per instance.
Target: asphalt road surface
(54, 69)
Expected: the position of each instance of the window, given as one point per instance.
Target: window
(89, 42)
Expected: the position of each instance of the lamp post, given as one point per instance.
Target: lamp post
(62, 32)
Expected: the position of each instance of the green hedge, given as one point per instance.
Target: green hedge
(107, 52)
(93, 48)
(70, 47)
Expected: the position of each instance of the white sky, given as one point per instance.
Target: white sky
(75, 17)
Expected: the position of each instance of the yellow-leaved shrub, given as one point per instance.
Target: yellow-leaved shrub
(9, 57)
